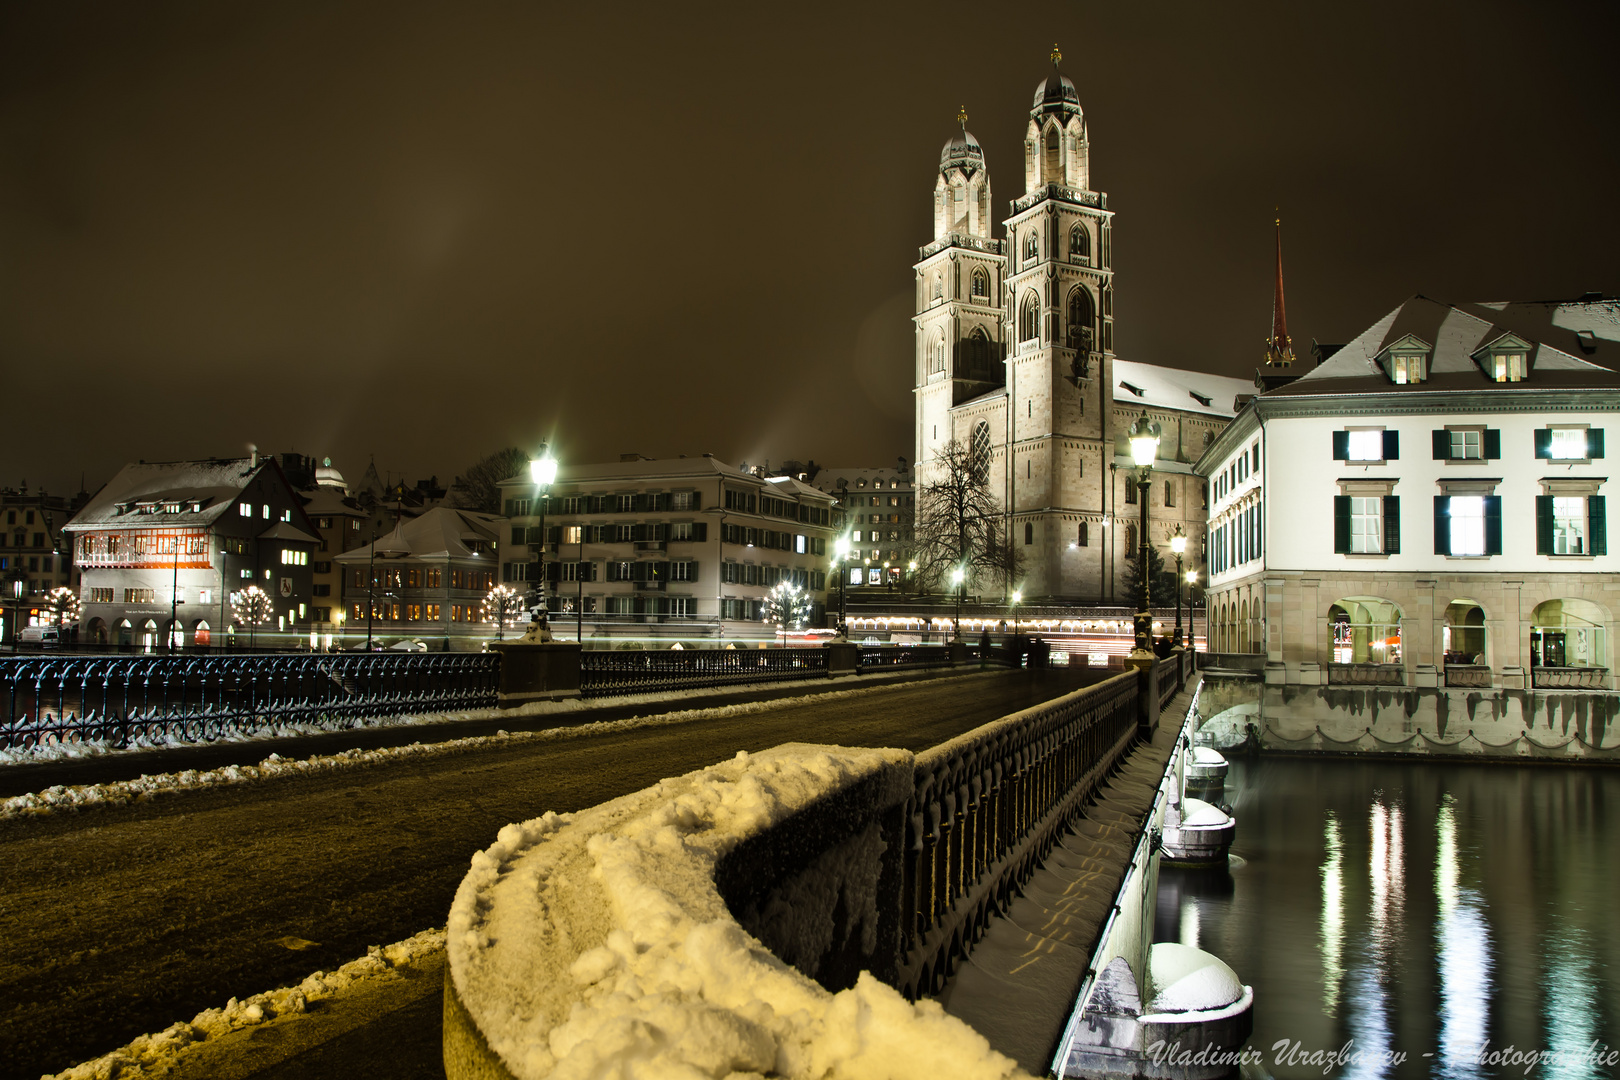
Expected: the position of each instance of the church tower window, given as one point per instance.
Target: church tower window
(1029, 318)
(1079, 245)
(1031, 245)
(981, 285)
(936, 355)
(1054, 173)
(1081, 321)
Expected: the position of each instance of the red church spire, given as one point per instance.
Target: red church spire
(1279, 347)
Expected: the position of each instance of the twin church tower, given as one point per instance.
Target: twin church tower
(1015, 356)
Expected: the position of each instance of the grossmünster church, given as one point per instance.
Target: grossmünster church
(1015, 361)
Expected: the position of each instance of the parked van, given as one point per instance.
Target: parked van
(44, 637)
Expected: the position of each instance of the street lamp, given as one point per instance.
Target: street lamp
(1192, 579)
(18, 587)
(542, 470)
(958, 577)
(1144, 439)
(1017, 596)
(840, 557)
(1178, 544)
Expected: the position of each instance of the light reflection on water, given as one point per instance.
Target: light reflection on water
(1510, 943)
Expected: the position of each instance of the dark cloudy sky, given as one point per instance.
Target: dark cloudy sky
(424, 231)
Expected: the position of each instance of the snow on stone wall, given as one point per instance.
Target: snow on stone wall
(596, 944)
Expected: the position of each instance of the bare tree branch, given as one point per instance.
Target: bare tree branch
(959, 524)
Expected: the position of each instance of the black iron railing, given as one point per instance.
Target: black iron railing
(636, 671)
(982, 817)
(123, 699)
(908, 656)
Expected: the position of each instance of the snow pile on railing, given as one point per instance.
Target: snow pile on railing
(597, 944)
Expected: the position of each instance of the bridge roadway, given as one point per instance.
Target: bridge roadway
(121, 920)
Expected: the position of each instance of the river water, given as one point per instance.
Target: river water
(1463, 916)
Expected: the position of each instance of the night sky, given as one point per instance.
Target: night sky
(426, 231)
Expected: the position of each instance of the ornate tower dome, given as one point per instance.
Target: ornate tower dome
(327, 476)
(1056, 150)
(962, 193)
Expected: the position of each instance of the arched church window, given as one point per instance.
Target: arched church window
(1081, 334)
(1029, 318)
(977, 349)
(936, 355)
(1085, 535)
(1130, 539)
(1053, 172)
(1031, 245)
(1080, 244)
(939, 285)
(979, 455)
(1029, 533)
(981, 285)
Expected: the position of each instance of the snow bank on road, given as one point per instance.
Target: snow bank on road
(596, 944)
(160, 1054)
(88, 796)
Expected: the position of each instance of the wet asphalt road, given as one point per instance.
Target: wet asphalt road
(122, 920)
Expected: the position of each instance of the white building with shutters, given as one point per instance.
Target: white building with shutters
(1015, 360)
(1428, 505)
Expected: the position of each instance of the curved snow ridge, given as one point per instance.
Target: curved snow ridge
(158, 1054)
(596, 944)
(78, 797)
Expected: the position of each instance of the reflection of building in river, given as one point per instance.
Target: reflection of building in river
(1427, 505)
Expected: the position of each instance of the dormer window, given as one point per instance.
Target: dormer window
(1406, 361)
(1406, 367)
(172, 507)
(1508, 367)
(1506, 359)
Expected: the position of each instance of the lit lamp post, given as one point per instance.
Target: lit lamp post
(958, 578)
(1192, 579)
(840, 558)
(1178, 544)
(1017, 596)
(1144, 439)
(18, 587)
(542, 470)
(338, 615)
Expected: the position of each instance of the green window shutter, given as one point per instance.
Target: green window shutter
(1597, 528)
(1442, 525)
(553, 572)
(700, 530)
(1543, 442)
(1392, 445)
(697, 500)
(1341, 523)
(1392, 524)
(1544, 523)
(1442, 444)
(1493, 524)
(1341, 446)
(1493, 444)
(1594, 442)
(554, 534)
(519, 535)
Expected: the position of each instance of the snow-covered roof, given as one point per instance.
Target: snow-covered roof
(639, 469)
(440, 533)
(286, 530)
(792, 485)
(1152, 386)
(330, 502)
(215, 484)
(1573, 344)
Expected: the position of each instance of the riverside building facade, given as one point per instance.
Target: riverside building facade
(1428, 506)
(660, 551)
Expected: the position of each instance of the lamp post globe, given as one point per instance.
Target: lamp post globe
(542, 471)
(840, 558)
(1144, 439)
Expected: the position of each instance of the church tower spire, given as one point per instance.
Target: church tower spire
(1279, 347)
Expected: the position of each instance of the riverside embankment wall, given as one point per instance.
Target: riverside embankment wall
(1561, 725)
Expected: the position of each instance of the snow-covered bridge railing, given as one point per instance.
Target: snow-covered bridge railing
(124, 699)
(775, 914)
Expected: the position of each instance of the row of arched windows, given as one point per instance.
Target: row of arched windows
(1079, 244)
(1082, 320)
